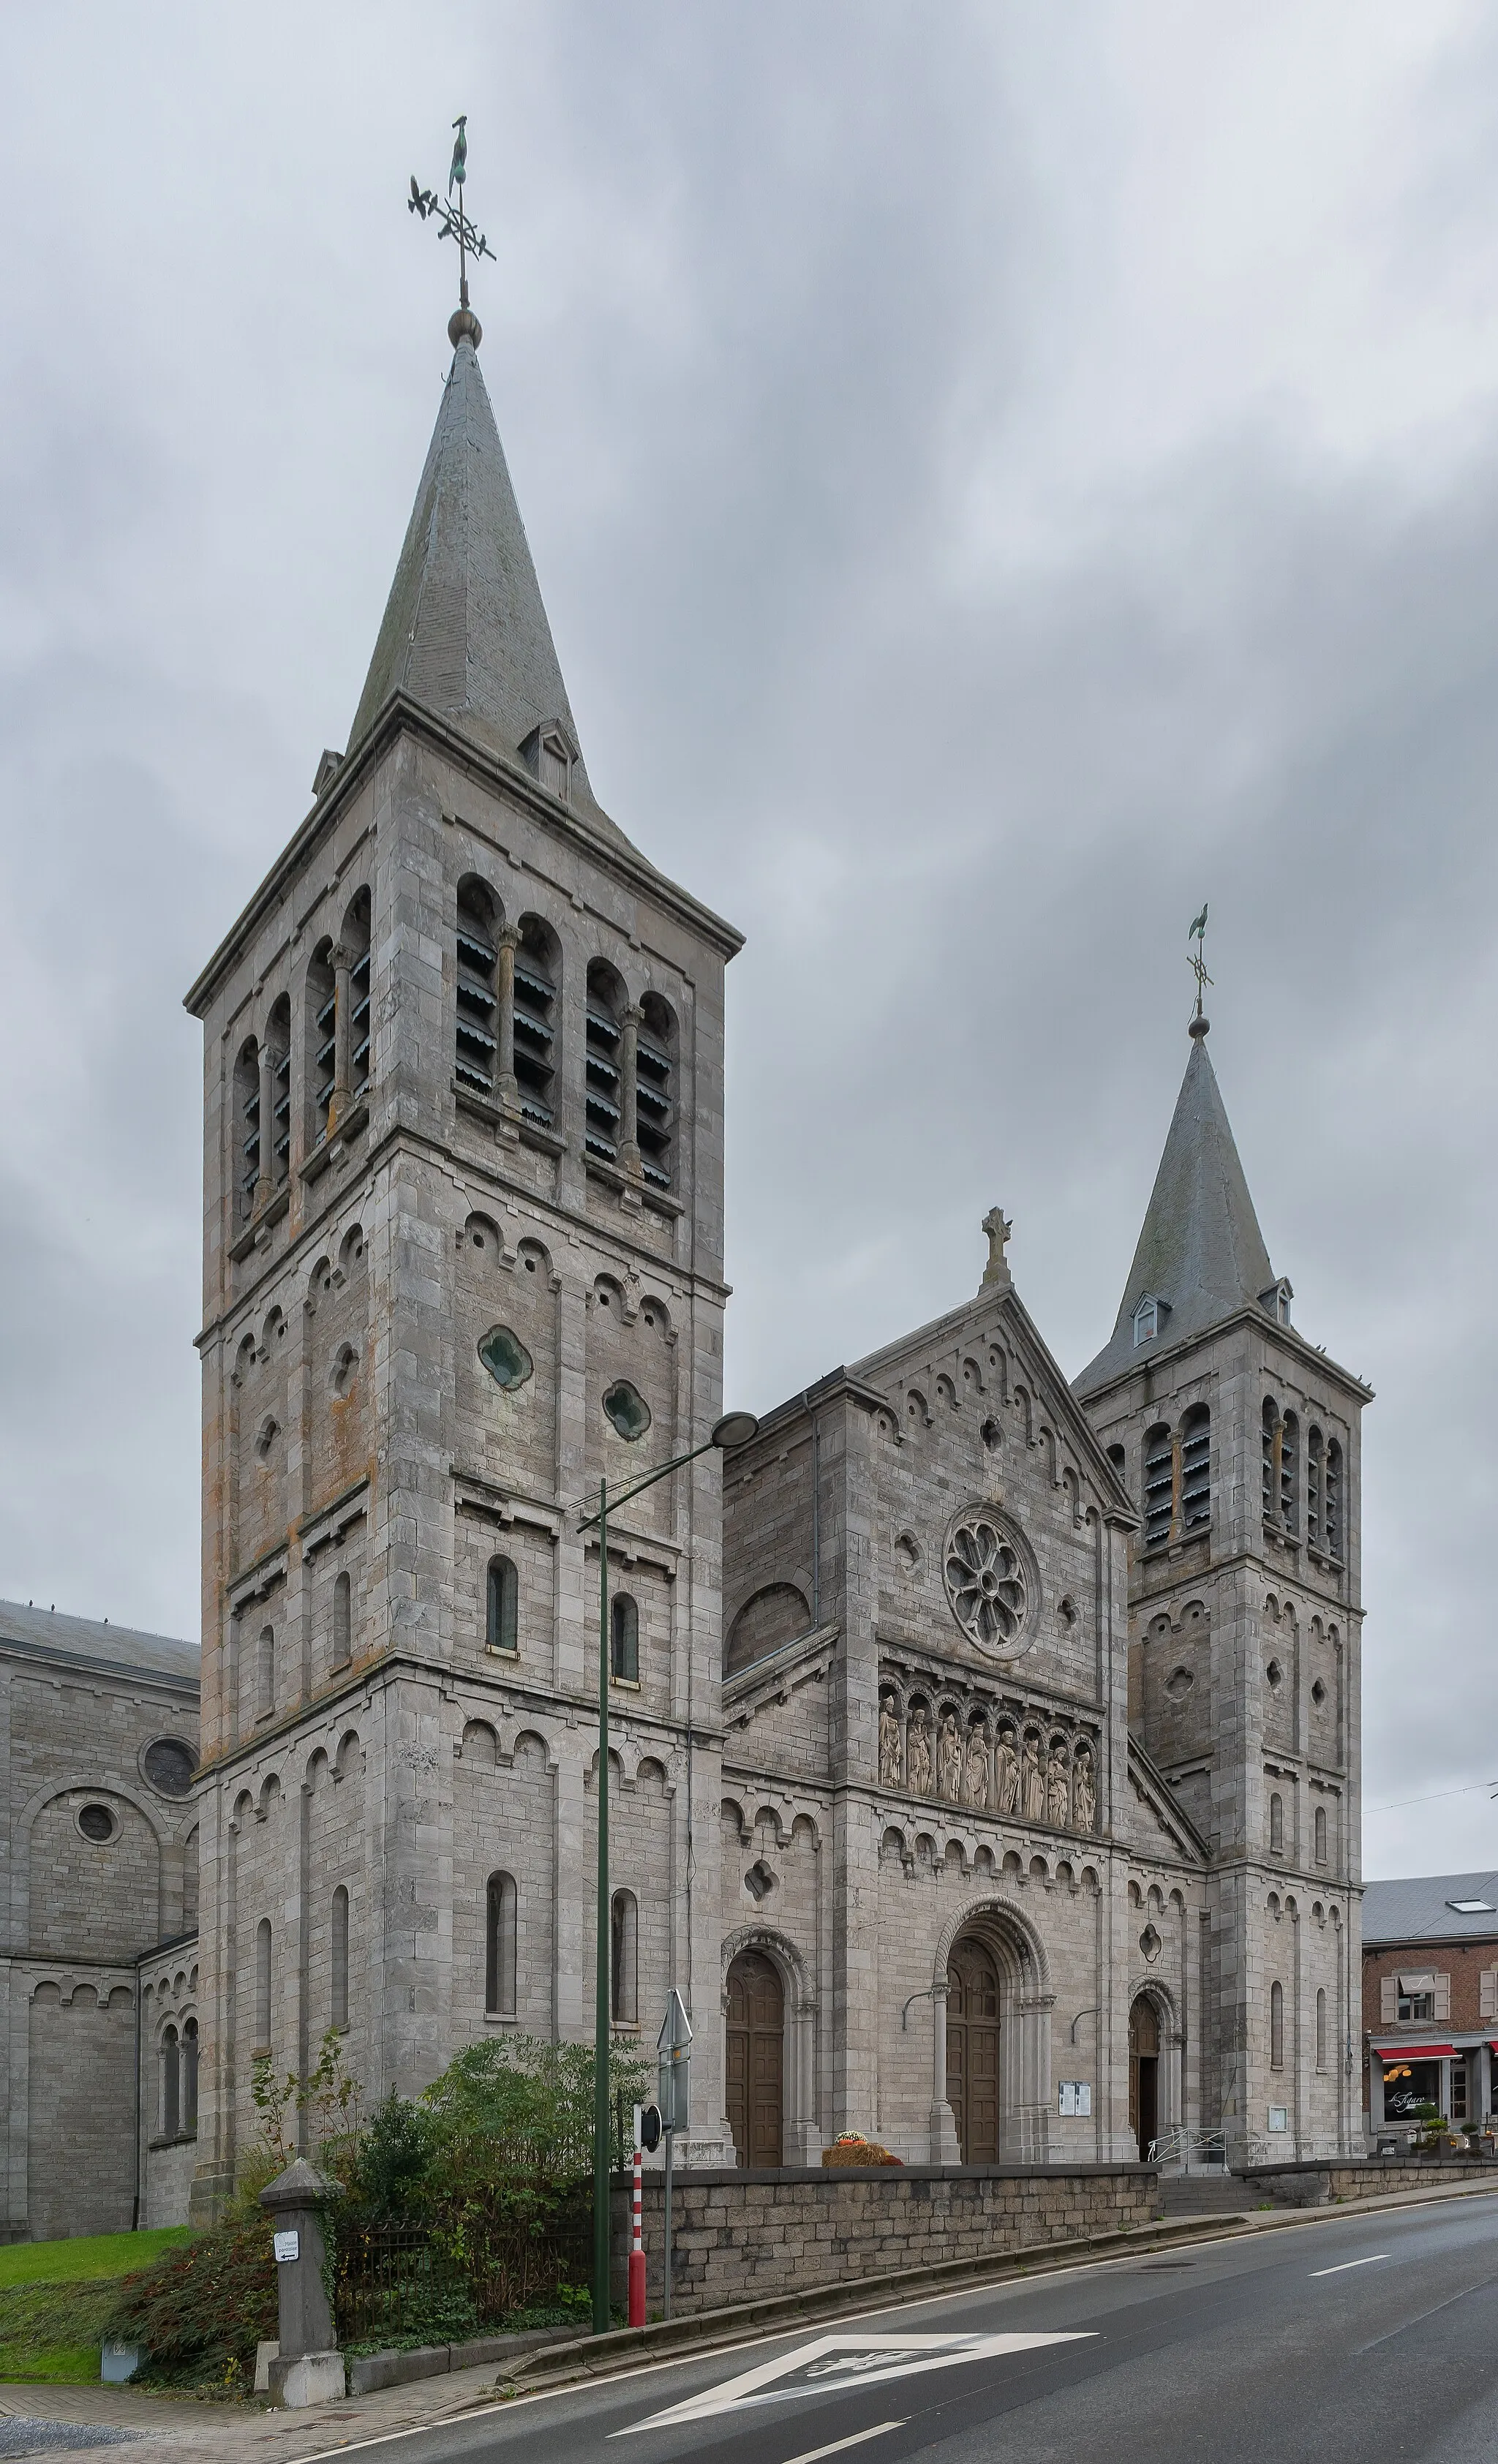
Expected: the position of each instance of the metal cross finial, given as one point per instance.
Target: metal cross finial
(1197, 962)
(454, 223)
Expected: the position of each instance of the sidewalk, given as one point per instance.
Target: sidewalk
(168, 2427)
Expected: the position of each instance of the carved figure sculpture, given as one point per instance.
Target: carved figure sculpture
(917, 1760)
(975, 1784)
(1007, 1772)
(889, 1744)
(1032, 1782)
(1085, 1799)
(949, 1759)
(1058, 1788)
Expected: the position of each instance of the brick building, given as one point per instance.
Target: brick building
(1430, 1998)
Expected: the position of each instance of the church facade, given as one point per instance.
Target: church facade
(985, 1747)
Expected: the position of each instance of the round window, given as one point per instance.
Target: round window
(628, 1409)
(170, 1765)
(988, 1582)
(505, 1357)
(97, 1822)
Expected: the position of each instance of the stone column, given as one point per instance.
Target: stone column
(341, 961)
(507, 941)
(308, 2368)
(628, 1073)
(265, 1179)
(944, 2149)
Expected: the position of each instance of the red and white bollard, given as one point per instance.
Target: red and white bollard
(636, 2244)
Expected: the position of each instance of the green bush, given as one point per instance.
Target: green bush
(201, 2311)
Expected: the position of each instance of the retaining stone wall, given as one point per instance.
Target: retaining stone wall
(739, 2237)
(1321, 2186)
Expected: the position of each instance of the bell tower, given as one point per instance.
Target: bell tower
(462, 1257)
(1240, 1442)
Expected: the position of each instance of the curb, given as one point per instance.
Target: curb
(594, 2356)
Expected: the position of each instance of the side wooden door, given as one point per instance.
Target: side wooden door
(755, 2060)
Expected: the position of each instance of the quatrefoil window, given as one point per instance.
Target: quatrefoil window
(987, 1583)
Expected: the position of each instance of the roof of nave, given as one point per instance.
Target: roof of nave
(50, 1635)
(1201, 1252)
(1419, 1909)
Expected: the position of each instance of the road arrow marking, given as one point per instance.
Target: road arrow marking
(832, 2363)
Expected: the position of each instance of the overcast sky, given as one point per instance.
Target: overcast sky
(999, 475)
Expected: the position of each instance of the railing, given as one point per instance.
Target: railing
(1182, 2151)
(395, 2283)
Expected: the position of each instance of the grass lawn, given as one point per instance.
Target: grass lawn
(54, 2297)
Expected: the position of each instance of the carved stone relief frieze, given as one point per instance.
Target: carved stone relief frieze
(995, 1756)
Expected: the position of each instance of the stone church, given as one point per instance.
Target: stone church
(985, 1748)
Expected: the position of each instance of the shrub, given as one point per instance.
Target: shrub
(851, 2148)
(201, 2310)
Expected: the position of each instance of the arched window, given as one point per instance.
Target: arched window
(625, 1637)
(606, 1008)
(1290, 1473)
(1271, 1423)
(499, 1929)
(624, 1963)
(322, 1045)
(1276, 2027)
(1159, 1486)
(502, 1607)
(342, 1621)
(477, 1033)
(247, 1130)
(537, 970)
(1277, 1824)
(171, 2086)
(1321, 1835)
(1314, 1508)
(340, 1957)
(1195, 1469)
(1321, 2028)
(1120, 1461)
(1333, 1500)
(262, 1986)
(265, 1674)
(189, 2076)
(355, 942)
(655, 1105)
(277, 1036)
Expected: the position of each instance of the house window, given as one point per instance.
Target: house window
(1195, 1469)
(339, 1995)
(1416, 2004)
(1159, 1482)
(501, 1619)
(1146, 1320)
(625, 1948)
(1321, 1835)
(1277, 1824)
(624, 1639)
(262, 1986)
(1321, 2028)
(1457, 2111)
(476, 1027)
(342, 1621)
(1276, 2027)
(499, 1933)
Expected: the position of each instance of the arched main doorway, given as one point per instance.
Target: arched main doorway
(1144, 2073)
(973, 2051)
(755, 2051)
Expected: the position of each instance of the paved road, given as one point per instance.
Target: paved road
(1366, 2338)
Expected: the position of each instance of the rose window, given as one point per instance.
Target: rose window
(986, 1583)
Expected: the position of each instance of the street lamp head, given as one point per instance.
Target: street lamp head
(734, 1429)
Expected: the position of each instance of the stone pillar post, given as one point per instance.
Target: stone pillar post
(308, 2368)
(265, 1179)
(507, 941)
(944, 2149)
(342, 961)
(628, 1074)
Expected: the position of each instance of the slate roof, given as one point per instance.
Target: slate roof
(122, 1647)
(1420, 1910)
(465, 631)
(1201, 1250)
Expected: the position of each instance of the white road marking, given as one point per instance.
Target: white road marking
(814, 2454)
(1349, 2262)
(863, 2361)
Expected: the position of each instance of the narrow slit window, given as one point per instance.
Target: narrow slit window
(189, 2076)
(476, 1022)
(500, 1906)
(501, 1616)
(339, 1961)
(1276, 2027)
(625, 1637)
(625, 1966)
(1195, 1469)
(1159, 1486)
(342, 1621)
(1321, 2028)
(171, 2086)
(1277, 1824)
(265, 1674)
(1321, 1835)
(262, 1986)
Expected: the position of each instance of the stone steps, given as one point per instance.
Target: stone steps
(1204, 2194)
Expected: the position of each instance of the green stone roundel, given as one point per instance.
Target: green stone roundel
(505, 1357)
(628, 1409)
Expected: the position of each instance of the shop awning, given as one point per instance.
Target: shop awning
(1414, 2052)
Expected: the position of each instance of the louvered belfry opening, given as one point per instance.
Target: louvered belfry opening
(355, 941)
(1159, 1486)
(653, 1101)
(606, 1008)
(537, 974)
(277, 1036)
(247, 1128)
(1271, 1431)
(1195, 1469)
(322, 1040)
(1315, 1451)
(477, 1033)
(1333, 1500)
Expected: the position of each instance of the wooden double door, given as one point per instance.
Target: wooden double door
(973, 2051)
(1144, 2075)
(755, 2051)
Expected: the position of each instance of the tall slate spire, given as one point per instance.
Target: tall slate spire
(1201, 1252)
(465, 631)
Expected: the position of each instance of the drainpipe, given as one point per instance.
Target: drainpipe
(135, 2204)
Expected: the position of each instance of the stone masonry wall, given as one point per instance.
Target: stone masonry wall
(1323, 2186)
(739, 2237)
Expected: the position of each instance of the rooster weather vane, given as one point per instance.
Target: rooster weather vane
(1196, 962)
(451, 222)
